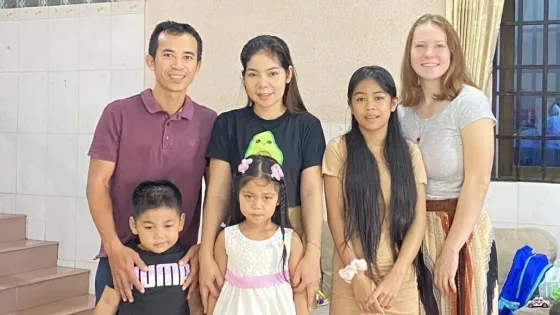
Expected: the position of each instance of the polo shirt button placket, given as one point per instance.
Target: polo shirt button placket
(166, 138)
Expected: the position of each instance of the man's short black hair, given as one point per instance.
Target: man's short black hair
(174, 28)
(155, 194)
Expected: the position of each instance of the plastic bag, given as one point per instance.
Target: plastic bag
(550, 286)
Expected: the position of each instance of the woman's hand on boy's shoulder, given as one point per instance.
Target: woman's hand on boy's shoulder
(191, 258)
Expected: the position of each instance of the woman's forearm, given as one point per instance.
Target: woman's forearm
(312, 215)
(471, 201)
(216, 201)
(312, 209)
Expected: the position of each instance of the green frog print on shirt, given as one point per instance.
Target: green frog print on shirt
(264, 144)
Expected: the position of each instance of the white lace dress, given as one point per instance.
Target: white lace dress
(254, 284)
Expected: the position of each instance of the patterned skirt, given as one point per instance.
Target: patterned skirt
(477, 274)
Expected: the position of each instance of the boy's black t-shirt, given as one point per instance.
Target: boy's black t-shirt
(162, 284)
(296, 141)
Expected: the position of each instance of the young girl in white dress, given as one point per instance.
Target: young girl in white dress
(258, 251)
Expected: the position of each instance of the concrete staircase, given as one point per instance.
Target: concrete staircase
(30, 281)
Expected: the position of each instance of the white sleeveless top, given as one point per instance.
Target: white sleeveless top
(441, 143)
(255, 283)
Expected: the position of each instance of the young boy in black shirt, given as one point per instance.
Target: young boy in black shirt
(156, 219)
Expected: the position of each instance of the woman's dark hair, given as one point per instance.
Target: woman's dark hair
(365, 207)
(154, 194)
(277, 49)
(261, 168)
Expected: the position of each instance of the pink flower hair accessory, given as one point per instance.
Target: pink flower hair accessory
(277, 172)
(244, 166)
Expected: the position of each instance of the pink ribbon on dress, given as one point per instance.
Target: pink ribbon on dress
(257, 282)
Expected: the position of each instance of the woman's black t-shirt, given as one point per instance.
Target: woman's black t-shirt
(296, 141)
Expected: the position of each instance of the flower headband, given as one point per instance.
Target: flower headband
(276, 170)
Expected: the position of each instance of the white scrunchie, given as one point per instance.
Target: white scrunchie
(352, 269)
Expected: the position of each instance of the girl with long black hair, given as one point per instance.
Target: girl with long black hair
(374, 187)
(257, 253)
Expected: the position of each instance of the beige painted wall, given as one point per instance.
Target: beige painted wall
(329, 40)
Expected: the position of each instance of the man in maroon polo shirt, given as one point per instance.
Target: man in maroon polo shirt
(158, 134)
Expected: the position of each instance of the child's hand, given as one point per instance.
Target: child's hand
(363, 288)
(387, 290)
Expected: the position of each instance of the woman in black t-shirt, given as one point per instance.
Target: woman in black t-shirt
(276, 123)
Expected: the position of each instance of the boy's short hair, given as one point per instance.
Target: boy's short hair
(555, 309)
(155, 194)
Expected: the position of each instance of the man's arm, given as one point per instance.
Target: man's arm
(121, 258)
(99, 201)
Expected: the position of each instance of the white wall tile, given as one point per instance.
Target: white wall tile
(61, 164)
(33, 45)
(9, 101)
(9, 46)
(61, 225)
(7, 203)
(8, 162)
(33, 102)
(127, 41)
(95, 9)
(65, 263)
(32, 149)
(64, 44)
(95, 94)
(9, 14)
(63, 102)
(84, 142)
(64, 11)
(326, 131)
(31, 205)
(125, 83)
(34, 13)
(87, 240)
(338, 130)
(539, 203)
(36, 229)
(127, 7)
(95, 43)
(502, 202)
(92, 267)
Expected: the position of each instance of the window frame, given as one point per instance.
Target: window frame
(542, 173)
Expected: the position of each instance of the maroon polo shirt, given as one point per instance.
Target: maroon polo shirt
(146, 143)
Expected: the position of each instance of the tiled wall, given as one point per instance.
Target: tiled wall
(520, 204)
(59, 67)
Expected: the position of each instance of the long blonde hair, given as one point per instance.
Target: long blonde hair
(451, 81)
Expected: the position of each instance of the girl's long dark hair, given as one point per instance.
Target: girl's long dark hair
(260, 168)
(276, 48)
(364, 204)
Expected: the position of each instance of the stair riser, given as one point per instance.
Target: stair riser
(28, 259)
(12, 229)
(51, 291)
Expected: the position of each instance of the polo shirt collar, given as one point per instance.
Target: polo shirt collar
(186, 111)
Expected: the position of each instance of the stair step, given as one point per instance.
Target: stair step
(81, 305)
(12, 227)
(40, 287)
(27, 255)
